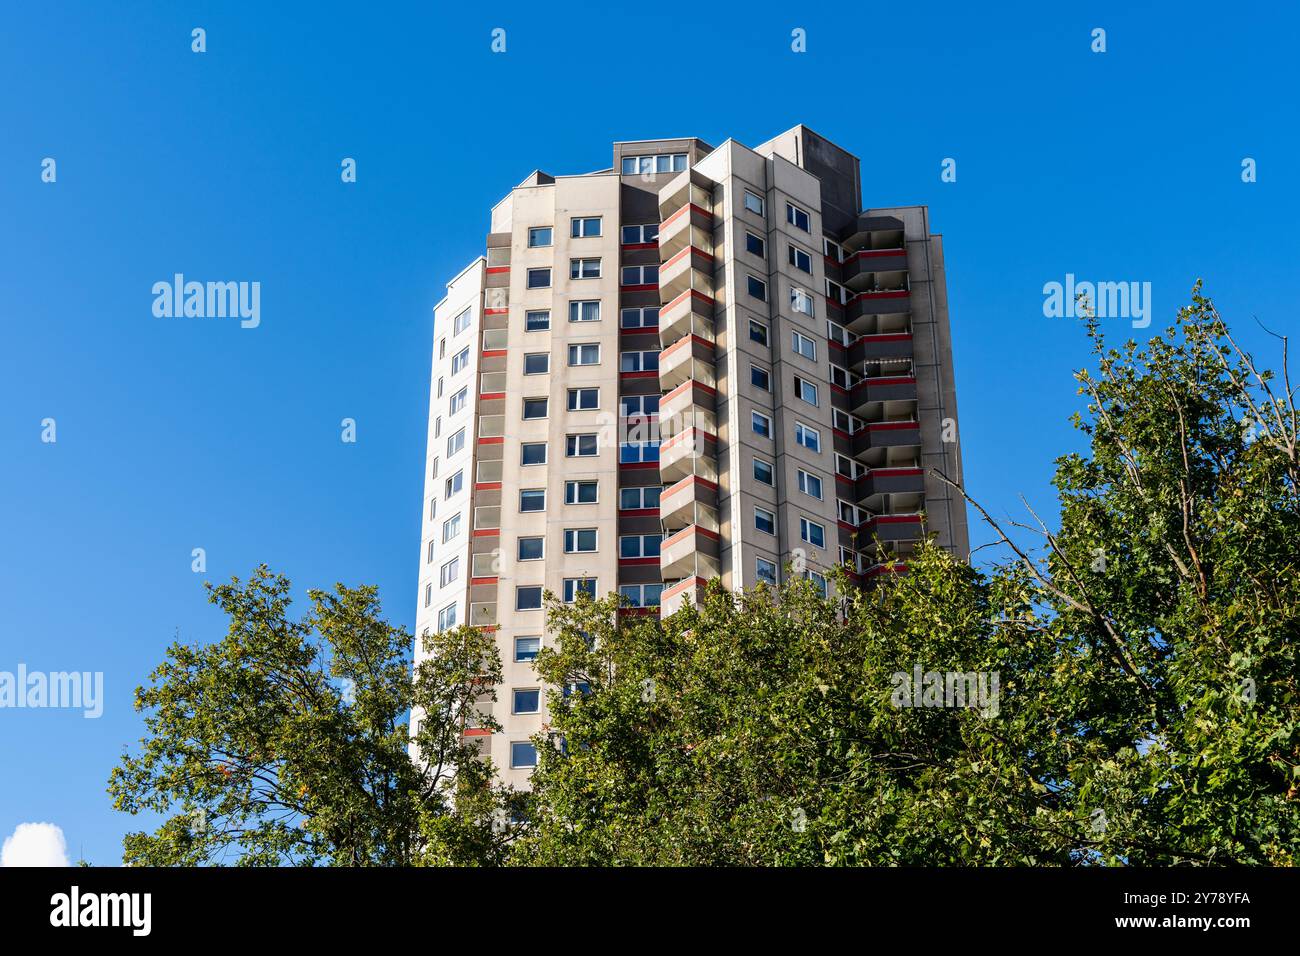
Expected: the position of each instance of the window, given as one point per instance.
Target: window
(760, 378)
(575, 586)
(638, 361)
(832, 250)
(810, 438)
(532, 453)
(646, 318)
(848, 467)
(539, 278)
(528, 598)
(433, 469)
(818, 581)
(456, 442)
(526, 702)
(437, 426)
(532, 499)
(646, 165)
(428, 594)
(584, 268)
(847, 513)
(757, 332)
(804, 345)
(634, 452)
(458, 401)
(843, 377)
(810, 484)
(761, 424)
(800, 260)
(584, 310)
(447, 617)
(836, 292)
(764, 521)
(460, 360)
(526, 648)
(640, 275)
(763, 472)
(581, 446)
(845, 422)
(460, 323)
(587, 354)
(636, 235)
(535, 408)
(631, 406)
(522, 754)
(583, 399)
(801, 301)
(765, 571)
(754, 203)
(757, 287)
(637, 499)
(537, 321)
(440, 382)
(641, 595)
(449, 572)
(581, 492)
(584, 227)
(755, 245)
(532, 549)
(805, 390)
(539, 236)
(639, 545)
(579, 540)
(433, 506)
(429, 552)
(451, 528)
(454, 484)
(537, 363)
(796, 217)
(812, 532)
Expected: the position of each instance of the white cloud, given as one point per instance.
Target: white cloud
(35, 844)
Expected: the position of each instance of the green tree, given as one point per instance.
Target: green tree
(1147, 710)
(288, 742)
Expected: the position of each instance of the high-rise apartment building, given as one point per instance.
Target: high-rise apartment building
(699, 363)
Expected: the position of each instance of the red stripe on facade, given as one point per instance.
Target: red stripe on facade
(488, 486)
(491, 396)
(496, 311)
(476, 581)
(639, 245)
(638, 512)
(493, 353)
(492, 441)
(487, 532)
(497, 270)
(629, 562)
(638, 288)
(638, 464)
(654, 374)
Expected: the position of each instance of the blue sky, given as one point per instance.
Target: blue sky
(182, 433)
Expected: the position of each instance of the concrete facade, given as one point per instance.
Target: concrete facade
(731, 368)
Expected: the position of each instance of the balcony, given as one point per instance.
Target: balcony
(691, 552)
(894, 529)
(874, 233)
(684, 191)
(870, 310)
(688, 226)
(690, 269)
(879, 444)
(890, 481)
(685, 403)
(887, 345)
(692, 451)
(690, 501)
(893, 388)
(687, 358)
(859, 270)
(691, 313)
(677, 594)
